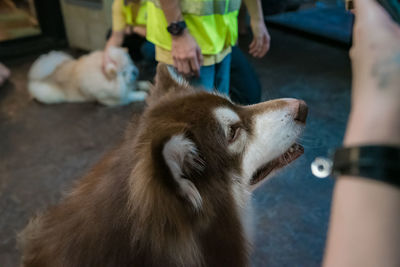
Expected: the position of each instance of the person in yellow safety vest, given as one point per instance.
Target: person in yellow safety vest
(128, 27)
(196, 37)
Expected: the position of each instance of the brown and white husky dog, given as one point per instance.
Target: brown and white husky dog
(176, 192)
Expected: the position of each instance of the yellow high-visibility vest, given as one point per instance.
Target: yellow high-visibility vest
(135, 14)
(213, 23)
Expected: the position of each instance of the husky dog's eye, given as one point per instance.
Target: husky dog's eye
(234, 132)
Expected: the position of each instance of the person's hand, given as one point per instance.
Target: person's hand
(128, 30)
(375, 59)
(261, 39)
(186, 54)
(108, 66)
(140, 30)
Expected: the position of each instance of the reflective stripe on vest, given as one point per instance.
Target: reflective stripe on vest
(213, 24)
(205, 7)
(135, 10)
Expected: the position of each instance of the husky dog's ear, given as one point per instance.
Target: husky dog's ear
(167, 80)
(182, 158)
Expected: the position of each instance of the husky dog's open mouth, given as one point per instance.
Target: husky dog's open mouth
(295, 151)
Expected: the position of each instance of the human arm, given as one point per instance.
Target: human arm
(185, 51)
(116, 39)
(117, 33)
(139, 29)
(364, 225)
(261, 38)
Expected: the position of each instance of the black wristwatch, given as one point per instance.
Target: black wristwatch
(377, 162)
(176, 28)
(374, 162)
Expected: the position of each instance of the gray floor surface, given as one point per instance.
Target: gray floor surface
(44, 149)
(333, 23)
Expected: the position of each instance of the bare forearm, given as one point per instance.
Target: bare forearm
(255, 9)
(172, 10)
(364, 224)
(379, 127)
(365, 214)
(261, 39)
(185, 51)
(116, 39)
(365, 217)
(140, 30)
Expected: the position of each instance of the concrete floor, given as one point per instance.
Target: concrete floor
(43, 149)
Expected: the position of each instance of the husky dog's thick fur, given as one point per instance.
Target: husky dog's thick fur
(56, 77)
(174, 193)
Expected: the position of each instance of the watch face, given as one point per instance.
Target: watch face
(176, 28)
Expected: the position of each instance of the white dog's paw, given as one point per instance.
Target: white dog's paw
(136, 96)
(143, 86)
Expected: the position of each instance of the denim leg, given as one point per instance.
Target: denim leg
(134, 42)
(245, 84)
(206, 79)
(222, 75)
(148, 51)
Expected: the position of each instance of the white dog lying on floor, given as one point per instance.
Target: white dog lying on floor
(56, 77)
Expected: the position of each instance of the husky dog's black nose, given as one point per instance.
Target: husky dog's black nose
(302, 112)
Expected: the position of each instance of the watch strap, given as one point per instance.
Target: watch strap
(380, 163)
(176, 28)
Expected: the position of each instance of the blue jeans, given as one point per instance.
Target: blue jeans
(148, 51)
(245, 85)
(215, 77)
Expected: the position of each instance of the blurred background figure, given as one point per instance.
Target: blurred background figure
(18, 19)
(200, 47)
(129, 30)
(4, 74)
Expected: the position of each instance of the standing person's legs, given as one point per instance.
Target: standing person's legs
(148, 51)
(134, 43)
(222, 75)
(245, 85)
(206, 78)
(215, 77)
